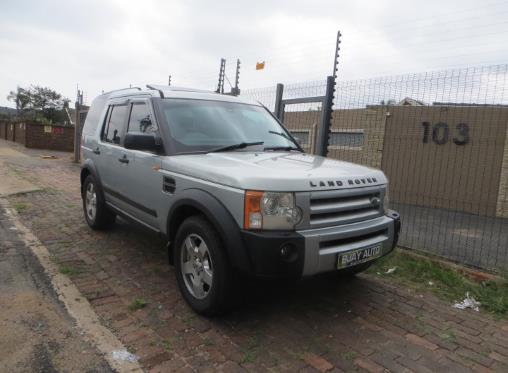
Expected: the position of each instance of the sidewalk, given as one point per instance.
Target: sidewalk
(37, 335)
(365, 324)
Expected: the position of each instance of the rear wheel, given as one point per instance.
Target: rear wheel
(202, 270)
(97, 214)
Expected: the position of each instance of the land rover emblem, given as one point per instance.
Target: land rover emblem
(338, 183)
(376, 201)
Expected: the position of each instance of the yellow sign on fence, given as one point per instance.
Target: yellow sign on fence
(48, 129)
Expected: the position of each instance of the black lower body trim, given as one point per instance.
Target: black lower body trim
(275, 254)
(129, 201)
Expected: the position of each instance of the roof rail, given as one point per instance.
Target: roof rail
(156, 88)
(121, 89)
(162, 88)
(185, 89)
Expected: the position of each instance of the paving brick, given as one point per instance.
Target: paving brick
(473, 356)
(387, 360)
(168, 366)
(498, 357)
(442, 342)
(421, 342)
(156, 360)
(317, 362)
(413, 365)
(232, 367)
(453, 366)
(101, 275)
(135, 335)
(370, 366)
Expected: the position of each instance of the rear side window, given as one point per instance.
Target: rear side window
(141, 119)
(115, 128)
(93, 117)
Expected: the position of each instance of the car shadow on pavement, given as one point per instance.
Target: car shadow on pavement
(326, 294)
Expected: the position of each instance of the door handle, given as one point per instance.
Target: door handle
(123, 159)
(96, 151)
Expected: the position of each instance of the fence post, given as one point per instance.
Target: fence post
(77, 133)
(278, 101)
(326, 117)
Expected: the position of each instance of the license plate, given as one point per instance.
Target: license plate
(355, 257)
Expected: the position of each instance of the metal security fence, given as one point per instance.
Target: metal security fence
(442, 139)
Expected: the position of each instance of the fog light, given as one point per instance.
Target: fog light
(288, 253)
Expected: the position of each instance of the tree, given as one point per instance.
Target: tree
(21, 97)
(37, 101)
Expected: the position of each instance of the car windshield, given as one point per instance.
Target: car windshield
(202, 126)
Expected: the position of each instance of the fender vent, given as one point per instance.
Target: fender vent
(168, 185)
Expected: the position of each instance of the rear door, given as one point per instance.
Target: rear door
(144, 181)
(114, 163)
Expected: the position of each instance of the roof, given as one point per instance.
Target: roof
(164, 91)
(408, 101)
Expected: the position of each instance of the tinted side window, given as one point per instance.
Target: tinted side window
(141, 119)
(115, 129)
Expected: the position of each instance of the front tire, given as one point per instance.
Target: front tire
(97, 214)
(202, 269)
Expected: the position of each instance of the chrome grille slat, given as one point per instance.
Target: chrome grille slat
(337, 207)
(344, 219)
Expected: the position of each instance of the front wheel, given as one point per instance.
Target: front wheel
(202, 270)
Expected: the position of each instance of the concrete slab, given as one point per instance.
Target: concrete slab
(11, 183)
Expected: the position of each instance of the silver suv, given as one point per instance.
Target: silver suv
(230, 189)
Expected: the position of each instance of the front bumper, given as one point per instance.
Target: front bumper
(313, 251)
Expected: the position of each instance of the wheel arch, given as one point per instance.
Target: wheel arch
(199, 202)
(88, 168)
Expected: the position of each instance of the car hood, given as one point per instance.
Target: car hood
(274, 171)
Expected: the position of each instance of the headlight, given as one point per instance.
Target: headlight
(386, 200)
(271, 210)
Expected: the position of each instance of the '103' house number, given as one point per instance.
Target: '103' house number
(441, 133)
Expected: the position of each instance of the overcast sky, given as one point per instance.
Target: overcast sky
(109, 44)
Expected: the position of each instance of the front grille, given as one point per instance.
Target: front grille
(337, 207)
(361, 240)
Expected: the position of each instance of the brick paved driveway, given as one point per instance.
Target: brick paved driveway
(359, 325)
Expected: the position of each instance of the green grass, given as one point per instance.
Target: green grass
(166, 345)
(446, 282)
(349, 355)
(249, 356)
(137, 304)
(20, 207)
(448, 336)
(68, 270)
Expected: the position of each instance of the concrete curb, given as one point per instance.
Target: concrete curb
(76, 304)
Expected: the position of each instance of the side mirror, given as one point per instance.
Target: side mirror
(142, 141)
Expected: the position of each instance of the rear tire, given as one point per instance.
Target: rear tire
(97, 214)
(202, 270)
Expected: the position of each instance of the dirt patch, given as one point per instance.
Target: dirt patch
(34, 338)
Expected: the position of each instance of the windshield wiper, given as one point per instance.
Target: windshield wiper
(241, 145)
(285, 148)
(281, 134)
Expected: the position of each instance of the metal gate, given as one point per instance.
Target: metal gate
(307, 118)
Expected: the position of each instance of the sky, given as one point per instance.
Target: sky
(109, 44)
